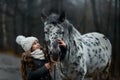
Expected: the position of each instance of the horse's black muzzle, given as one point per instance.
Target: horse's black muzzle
(54, 55)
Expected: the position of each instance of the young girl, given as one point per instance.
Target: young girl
(34, 61)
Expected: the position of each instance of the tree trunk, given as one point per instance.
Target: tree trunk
(4, 26)
(96, 20)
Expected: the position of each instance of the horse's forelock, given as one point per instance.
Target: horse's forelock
(53, 18)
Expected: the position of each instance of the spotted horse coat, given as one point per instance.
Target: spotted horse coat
(86, 54)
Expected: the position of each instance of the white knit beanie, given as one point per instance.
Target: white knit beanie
(25, 42)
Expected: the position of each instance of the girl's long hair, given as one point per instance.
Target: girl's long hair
(27, 59)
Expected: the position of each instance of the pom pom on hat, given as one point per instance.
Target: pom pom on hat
(25, 42)
(19, 39)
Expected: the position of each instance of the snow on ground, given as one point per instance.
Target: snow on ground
(9, 68)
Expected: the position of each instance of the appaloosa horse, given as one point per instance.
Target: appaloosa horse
(87, 54)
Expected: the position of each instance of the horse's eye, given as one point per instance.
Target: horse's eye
(48, 42)
(54, 23)
(62, 32)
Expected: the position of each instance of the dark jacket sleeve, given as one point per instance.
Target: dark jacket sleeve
(64, 51)
(36, 74)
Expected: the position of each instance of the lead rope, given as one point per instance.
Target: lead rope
(49, 60)
(54, 72)
(54, 67)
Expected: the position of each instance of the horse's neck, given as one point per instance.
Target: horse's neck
(77, 33)
(73, 40)
(71, 32)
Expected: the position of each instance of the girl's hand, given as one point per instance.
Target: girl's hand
(50, 66)
(47, 65)
(61, 42)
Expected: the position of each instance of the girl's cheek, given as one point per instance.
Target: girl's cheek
(33, 47)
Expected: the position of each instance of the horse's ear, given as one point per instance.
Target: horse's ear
(62, 17)
(43, 17)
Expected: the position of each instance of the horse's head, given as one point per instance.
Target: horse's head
(53, 30)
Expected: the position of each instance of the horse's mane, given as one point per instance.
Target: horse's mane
(70, 31)
(71, 37)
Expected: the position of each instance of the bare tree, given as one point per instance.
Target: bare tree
(4, 25)
(96, 18)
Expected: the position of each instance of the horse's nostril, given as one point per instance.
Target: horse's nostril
(50, 52)
(48, 42)
(54, 55)
(59, 53)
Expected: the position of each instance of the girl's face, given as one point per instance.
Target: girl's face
(35, 45)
